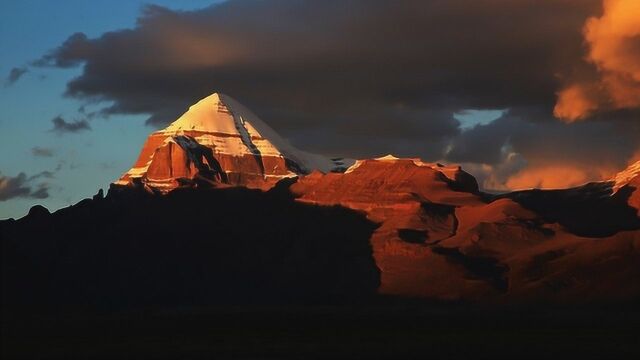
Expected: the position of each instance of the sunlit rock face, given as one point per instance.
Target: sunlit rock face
(414, 203)
(389, 182)
(439, 237)
(216, 142)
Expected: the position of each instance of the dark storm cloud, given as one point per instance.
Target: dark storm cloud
(288, 59)
(531, 133)
(41, 152)
(15, 74)
(361, 77)
(61, 126)
(20, 186)
(525, 149)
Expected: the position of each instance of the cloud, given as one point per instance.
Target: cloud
(61, 126)
(525, 149)
(43, 174)
(549, 177)
(613, 41)
(15, 74)
(363, 78)
(41, 152)
(577, 101)
(20, 187)
(289, 59)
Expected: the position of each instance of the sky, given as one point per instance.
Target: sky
(527, 93)
(70, 165)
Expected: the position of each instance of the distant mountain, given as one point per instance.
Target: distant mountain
(183, 226)
(439, 237)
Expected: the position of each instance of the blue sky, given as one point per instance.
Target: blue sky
(82, 162)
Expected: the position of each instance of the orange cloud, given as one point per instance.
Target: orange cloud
(552, 177)
(540, 176)
(614, 48)
(558, 176)
(575, 102)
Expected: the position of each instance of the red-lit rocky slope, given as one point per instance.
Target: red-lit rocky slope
(439, 237)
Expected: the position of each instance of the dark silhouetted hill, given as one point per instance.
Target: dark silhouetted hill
(186, 248)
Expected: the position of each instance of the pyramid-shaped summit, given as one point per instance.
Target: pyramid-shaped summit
(219, 141)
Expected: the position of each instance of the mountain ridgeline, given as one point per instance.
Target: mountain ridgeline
(218, 209)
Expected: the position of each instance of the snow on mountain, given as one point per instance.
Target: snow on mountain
(449, 171)
(219, 139)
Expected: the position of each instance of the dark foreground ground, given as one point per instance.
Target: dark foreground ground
(389, 330)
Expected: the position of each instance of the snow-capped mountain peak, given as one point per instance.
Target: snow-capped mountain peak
(220, 133)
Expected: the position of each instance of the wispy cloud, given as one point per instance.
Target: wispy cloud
(21, 186)
(43, 174)
(15, 74)
(61, 126)
(41, 152)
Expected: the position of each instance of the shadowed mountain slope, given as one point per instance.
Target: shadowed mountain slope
(189, 247)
